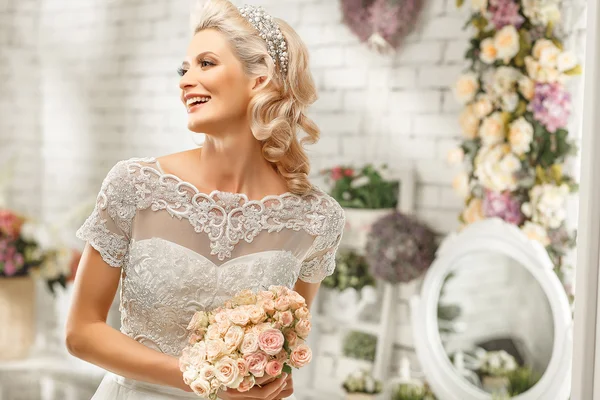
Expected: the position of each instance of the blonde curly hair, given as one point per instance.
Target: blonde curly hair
(280, 108)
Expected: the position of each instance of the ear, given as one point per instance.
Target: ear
(259, 82)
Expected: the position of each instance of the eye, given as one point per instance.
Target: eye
(206, 63)
(181, 71)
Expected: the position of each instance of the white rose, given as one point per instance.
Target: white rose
(541, 45)
(527, 87)
(483, 106)
(456, 156)
(493, 129)
(214, 348)
(495, 166)
(520, 136)
(536, 232)
(504, 80)
(233, 338)
(506, 42)
(533, 67)
(201, 387)
(488, 52)
(460, 184)
(469, 122)
(466, 87)
(510, 101)
(510, 164)
(566, 61)
(549, 57)
(227, 372)
(189, 376)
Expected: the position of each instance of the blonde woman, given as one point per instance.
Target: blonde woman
(184, 232)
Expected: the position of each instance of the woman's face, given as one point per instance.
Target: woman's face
(214, 88)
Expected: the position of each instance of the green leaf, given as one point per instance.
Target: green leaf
(576, 70)
(521, 109)
(557, 43)
(287, 369)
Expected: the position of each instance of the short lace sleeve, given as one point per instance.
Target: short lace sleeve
(320, 261)
(108, 228)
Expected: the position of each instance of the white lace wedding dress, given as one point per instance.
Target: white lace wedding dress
(181, 251)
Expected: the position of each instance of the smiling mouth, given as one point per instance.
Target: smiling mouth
(196, 102)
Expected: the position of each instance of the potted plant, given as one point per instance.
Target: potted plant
(361, 386)
(521, 380)
(494, 369)
(365, 194)
(411, 391)
(350, 288)
(360, 346)
(26, 251)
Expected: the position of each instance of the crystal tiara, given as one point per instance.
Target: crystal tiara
(268, 30)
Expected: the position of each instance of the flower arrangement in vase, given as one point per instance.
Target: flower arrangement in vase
(400, 248)
(408, 391)
(366, 194)
(361, 385)
(517, 107)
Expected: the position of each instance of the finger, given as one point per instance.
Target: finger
(285, 393)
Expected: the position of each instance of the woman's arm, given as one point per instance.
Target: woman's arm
(307, 290)
(92, 340)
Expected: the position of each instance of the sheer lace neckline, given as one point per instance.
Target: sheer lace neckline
(215, 193)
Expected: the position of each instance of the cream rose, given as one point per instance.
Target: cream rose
(239, 316)
(455, 156)
(214, 348)
(300, 356)
(506, 42)
(271, 341)
(302, 313)
(257, 363)
(474, 211)
(493, 129)
(483, 106)
(242, 366)
(198, 353)
(247, 383)
(274, 368)
(257, 314)
(541, 45)
(207, 372)
(201, 387)
(233, 338)
(199, 321)
(466, 87)
(213, 332)
(479, 5)
(249, 343)
(566, 61)
(510, 101)
(488, 52)
(190, 376)
(527, 87)
(460, 184)
(227, 372)
(549, 57)
(469, 123)
(266, 294)
(269, 306)
(303, 328)
(282, 303)
(291, 337)
(286, 318)
(245, 297)
(297, 300)
(520, 136)
(536, 232)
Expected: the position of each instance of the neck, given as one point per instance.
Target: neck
(233, 162)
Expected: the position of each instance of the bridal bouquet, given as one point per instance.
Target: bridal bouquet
(252, 336)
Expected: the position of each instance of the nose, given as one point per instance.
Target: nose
(188, 80)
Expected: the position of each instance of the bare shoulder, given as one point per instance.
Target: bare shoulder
(175, 160)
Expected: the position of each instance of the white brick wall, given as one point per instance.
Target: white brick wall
(87, 83)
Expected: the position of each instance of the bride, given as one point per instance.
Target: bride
(186, 231)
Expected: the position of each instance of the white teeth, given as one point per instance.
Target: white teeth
(196, 99)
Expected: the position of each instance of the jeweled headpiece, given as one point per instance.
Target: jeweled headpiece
(268, 30)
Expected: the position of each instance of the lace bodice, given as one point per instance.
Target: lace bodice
(181, 250)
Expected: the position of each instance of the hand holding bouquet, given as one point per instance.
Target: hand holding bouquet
(254, 335)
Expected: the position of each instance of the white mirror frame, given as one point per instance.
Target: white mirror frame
(497, 236)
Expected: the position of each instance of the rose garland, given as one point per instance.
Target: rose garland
(514, 123)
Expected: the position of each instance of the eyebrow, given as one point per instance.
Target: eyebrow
(186, 63)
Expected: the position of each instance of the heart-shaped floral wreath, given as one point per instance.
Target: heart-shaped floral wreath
(381, 23)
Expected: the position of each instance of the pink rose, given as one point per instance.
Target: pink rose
(300, 356)
(302, 313)
(214, 348)
(227, 372)
(297, 301)
(221, 316)
(271, 341)
(274, 367)
(286, 318)
(242, 366)
(201, 387)
(195, 338)
(269, 306)
(257, 314)
(291, 337)
(249, 343)
(233, 338)
(303, 328)
(282, 303)
(257, 363)
(247, 384)
(239, 316)
(266, 295)
(282, 356)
